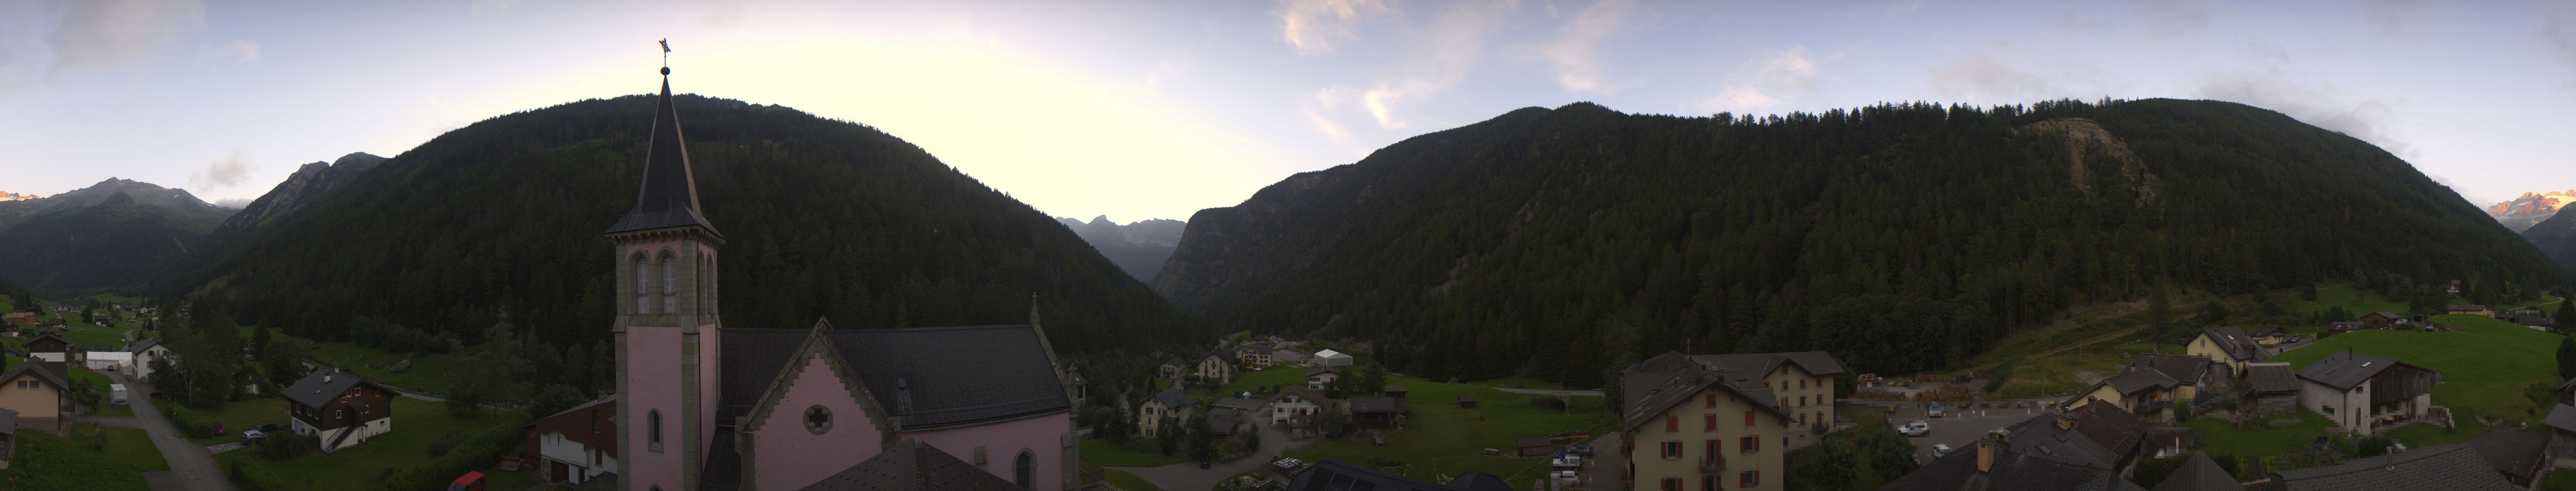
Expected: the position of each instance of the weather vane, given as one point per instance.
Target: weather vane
(666, 56)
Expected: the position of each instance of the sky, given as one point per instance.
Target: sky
(1138, 110)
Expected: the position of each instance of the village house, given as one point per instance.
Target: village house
(340, 409)
(2199, 473)
(2382, 320)
(1378, 412)
(1173, 368)
(2363, 393)
(1235, 408)
(1164, 412)
(2453, 467)
(2561, 423)
(2268, 389)
(705, 407)
(2269, 335)
(577, 444)
(2470, 310)
(1297, 406)
(2226, 345)
(1322, 378)
(50, 348)
(39, 392)
(2532, 319)
(1719, 420)
(20, 317)
(107, 361)
(2091, 448)
(2521, 456)
(2154, 385)
(145, 351)
(1216, 367)
(1288, 357)
(2334, 328)
(8, 437)
(1255, 354)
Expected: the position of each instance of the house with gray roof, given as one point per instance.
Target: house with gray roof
(2523, 457)
(1993, 464)
(2226, 345)
(1692, 426)
(2268, 389)
(2363, 394)
(2154, 385)
(1215, 367)
(2445, 468)
(340, 409)
(2199, 473)
(1164, 412)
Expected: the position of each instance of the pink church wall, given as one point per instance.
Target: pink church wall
(1042, 436)
(652, 382)
(789, 457)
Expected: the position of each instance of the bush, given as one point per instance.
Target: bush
(284, 445)
(249, 475)
(474, 454)
(188, 422)
(1550, 402)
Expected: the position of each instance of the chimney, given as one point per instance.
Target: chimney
(1986, 453)
(326, 377)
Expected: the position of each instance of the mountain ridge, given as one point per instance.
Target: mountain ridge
(1139, 247)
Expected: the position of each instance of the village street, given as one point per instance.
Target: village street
(192, 467)
(1188, 475)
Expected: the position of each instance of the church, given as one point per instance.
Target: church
(706, 407)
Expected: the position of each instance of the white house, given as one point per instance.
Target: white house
(1330, 358)
(1322, 378)
(578, 444)
(2363, 394)
(107, 361)
(144, 352)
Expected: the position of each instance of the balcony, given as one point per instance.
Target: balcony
(1712, 466)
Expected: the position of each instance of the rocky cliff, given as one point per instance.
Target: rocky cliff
(1139, 248)
(300, 190)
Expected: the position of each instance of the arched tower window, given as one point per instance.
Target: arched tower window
(706, 283)
(1024, 469)
(670, 284)
(653, 427)
(643, 285)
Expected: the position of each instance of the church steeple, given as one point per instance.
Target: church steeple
(669, 196)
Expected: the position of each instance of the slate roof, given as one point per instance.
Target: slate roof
(2269, 330)
(137, 346)
(1173, 398)
(913, 466)
(2271, 377)
(67, 345)
(930, 377)
(1319, 370)
(2345, 369)
(586, 405)
(1814, 362)
(2142, 380)
(2184, 369)
(2513, 453)
(2467, 307)
(2234, 342)
(56, 373)
(668, 196)
(1479, 481)
(314, 391)
(1379, 404)
(2562, 418)
(2445, 468)
(723, 470)
(2389, 315)
(1677, 387)
(2012, 471)
(1335, 475)
(2344, 326)
(2100, 435)
(2199, 474)
(1238, 404)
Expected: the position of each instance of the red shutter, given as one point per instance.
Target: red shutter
(1715, 450)
(1748, 417)
(1672, 424)
(1712, 399)
(1751, 478)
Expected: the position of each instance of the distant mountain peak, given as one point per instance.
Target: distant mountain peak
(2532, 207)
(307, 185)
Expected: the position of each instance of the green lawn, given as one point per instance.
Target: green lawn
(127, 445)
(2220, 437)
(2426, 435)
(2352, 300)
(46, 462)
(426, 375)
(1521, 383)
(416, 424)
(1127, 482)
(2485, 364)
(243, 414)
(1445, 440)
(1108, 454)
(1256, 382)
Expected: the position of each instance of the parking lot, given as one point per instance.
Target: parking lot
(1962, 424)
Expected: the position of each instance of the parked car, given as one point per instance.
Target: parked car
(471, 481)
(1935, 411)
(1917, 428)
(219, 428)
(255, 433)
(1203, 464)
(1940, 449)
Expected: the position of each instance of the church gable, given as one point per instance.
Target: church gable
(815, 419)
(815, 374)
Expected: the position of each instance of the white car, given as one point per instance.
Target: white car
(1917, 428)
(1940, 449)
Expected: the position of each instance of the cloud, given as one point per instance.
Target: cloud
(234, 203)
(2371, 120)
(1573, 54)
(2558, 29)
(1440, 56)
(238, 52)
(224, 173)
(1992, 75)
(1783, 70)
(96, 33)
(1313, 27)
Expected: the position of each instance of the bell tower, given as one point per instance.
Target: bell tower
(667, 330)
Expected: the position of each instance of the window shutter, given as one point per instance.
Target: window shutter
(1748, 417)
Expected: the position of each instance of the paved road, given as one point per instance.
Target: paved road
(192, 468)
(1575, 393)
(1187, 476)
(1958, 428)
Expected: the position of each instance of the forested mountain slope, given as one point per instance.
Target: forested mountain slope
(1558, 243)
(2556, 237)
(182, 208)
(821, 217)
(114, 242)
(1138, 248)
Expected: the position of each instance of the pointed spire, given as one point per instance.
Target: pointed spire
(669, 195)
